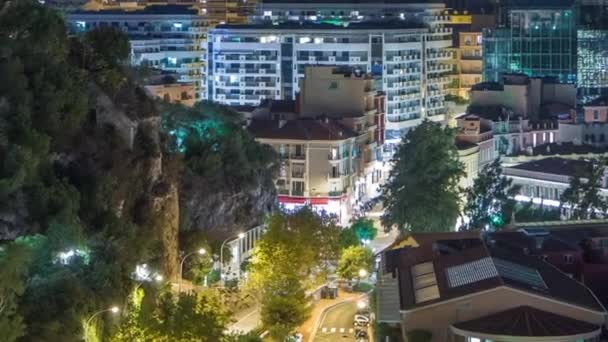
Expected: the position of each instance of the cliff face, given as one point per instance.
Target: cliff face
(225, 211)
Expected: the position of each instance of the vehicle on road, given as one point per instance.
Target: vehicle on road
(297, 337)
(361, 336)
(361, 320)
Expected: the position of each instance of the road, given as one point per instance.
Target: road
(246, 321)
(337, 324)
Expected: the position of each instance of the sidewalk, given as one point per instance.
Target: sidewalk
(319, 307)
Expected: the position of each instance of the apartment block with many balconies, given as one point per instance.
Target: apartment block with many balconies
(171, 38)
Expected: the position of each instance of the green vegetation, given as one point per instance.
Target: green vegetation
(530, 212)
(353, 260)
(294, 255)
(82, 201)
(215, 146)
(422, 192)
(361, 229)
(490, 198)
(162, 317)
(583, 197)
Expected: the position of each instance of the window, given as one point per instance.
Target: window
(568, 259)
(596, 114)
(424, 282)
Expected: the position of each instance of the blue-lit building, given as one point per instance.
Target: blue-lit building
(170, 37)
(537, 38)
(567, 39)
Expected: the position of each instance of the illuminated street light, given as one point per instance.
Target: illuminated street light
(201, 251)
(362, 273)
(239, 236)
(114, 310)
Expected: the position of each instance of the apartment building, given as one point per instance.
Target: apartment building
(589, 128)
(214, 11)
(249, 63)
(467, 63)
(460, 287)
(544, 181)
(329, 141)
(170, 37)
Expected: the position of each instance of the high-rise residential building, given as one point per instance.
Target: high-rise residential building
(266, 59)
(537, 38)
(170, 38)
(215, 11)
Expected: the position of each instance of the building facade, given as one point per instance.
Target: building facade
(170, 38)
(254, 62)
(462, 288)
(329, 141)
(544, 181)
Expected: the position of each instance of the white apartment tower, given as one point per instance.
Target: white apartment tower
(406, 55)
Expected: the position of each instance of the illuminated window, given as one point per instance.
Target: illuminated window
(267, 13)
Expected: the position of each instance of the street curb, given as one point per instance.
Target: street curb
(312, 336)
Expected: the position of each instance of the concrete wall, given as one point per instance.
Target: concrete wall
(183, 93)
(437, 319)
(602, 113)
(323, 92)
(513, 96)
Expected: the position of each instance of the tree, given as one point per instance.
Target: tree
(348, 237)
(490, 200)
(353, 260)
(582, 197)
(14, 262)
(181, 318)
(422, 192)
(364, 229)
(294, 254)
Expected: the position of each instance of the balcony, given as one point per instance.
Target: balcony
(297, 174)
(295, 192)
(335, 193)
(283, 191)
(298, 156)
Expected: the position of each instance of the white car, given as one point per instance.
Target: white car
(361, 320)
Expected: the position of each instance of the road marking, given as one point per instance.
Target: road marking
(324, 329)
(351, 330)
(341, 330)
(333, 330)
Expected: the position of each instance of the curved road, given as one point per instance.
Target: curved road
(338, 325)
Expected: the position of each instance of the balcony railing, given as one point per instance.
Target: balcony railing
(298, 156)
(297, 174)
(297, 192)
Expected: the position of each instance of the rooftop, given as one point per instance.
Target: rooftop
(555, 165)
(301, 129)
(437, 267)
(154, 9)
(527, 321)
(292, 25)
(326, 2)
(492, 113)
(487, 86)
(566, 148)
(599, 102)
(535, 245)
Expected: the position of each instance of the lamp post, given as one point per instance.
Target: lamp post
(240, 236)
(113, 310)
(201, 251)
(158, 278)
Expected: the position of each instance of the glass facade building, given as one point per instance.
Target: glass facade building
(536, 42)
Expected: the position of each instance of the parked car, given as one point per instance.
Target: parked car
(361, 320)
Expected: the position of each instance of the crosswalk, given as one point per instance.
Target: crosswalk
(333, 330)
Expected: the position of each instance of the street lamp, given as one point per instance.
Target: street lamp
(113, 309)
(201, 251)
(362, 273)
(240, 236)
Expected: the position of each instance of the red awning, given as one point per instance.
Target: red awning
(319, 201)
(292, 200)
